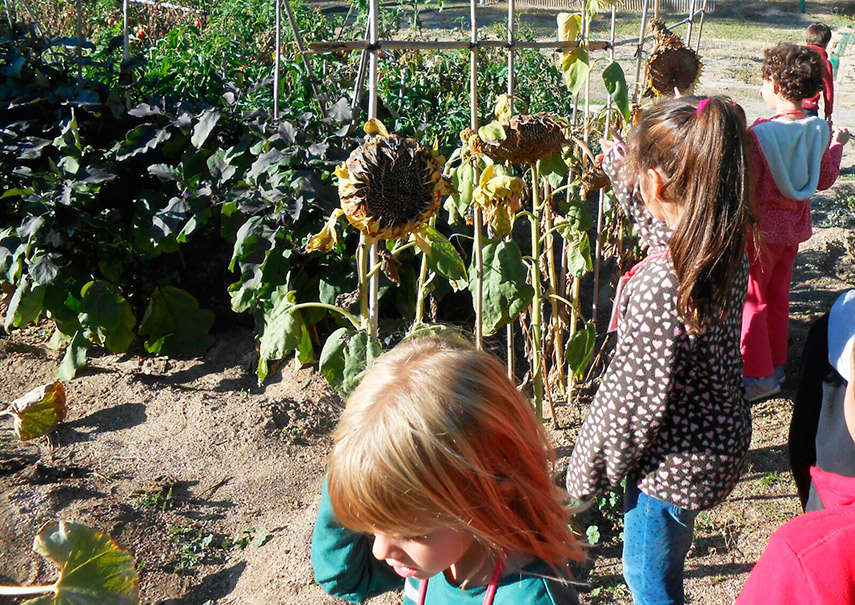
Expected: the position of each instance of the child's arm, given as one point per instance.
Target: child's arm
(829, 169)
(342, 559)
(650, 229)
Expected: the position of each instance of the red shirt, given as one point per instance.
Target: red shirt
(780, 219)
(827, 85)
(809, 560)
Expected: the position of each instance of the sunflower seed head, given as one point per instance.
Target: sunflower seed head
(391, 185)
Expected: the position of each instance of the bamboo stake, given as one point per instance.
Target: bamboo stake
(360, 82)
(477, 218)
(509, 330)
(536, 301)
(655, 9)
(601, 198)
(277, 61)
(701, 25)
(79, 31)
(301, 47)
(374, 282)
(343, 45)
(640, 57)
(691, 23)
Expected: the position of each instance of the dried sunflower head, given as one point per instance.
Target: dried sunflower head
(671, 64)
(390, 184)
(498, 195)
(525, 139)
(593, 179)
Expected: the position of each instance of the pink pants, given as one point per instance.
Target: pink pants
(766, 316)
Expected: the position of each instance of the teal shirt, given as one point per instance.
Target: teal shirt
(345, 568)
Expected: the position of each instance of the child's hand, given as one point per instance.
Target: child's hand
(842, 136)
(608, 146)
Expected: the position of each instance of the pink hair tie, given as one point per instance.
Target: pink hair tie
(702, 104)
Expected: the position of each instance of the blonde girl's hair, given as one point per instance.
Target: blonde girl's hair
(437, 435)
(700, 147)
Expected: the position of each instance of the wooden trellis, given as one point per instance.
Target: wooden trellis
(371, 45)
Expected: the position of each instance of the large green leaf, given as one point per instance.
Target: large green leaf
(553, 168)
(580, 347)
(106, 317)
(615, 81)
(93, 569)
(579, 259)
(575, 67)
(74, 359)
(37, 412)
(175, 325)
(207, 120)
(506, 292)
(346, 356)
(281, 331)
(25, 306)
(463, 180)
(442, 257)
(140, 140)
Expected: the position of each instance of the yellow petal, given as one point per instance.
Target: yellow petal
(374, 127)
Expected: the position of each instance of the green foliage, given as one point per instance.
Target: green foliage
(615, 81)
(346, 356)
(92, 567)
(174, 323)
(506, 292)
(580, 347)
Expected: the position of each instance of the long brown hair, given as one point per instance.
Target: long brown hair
(702, 155)
(438, 435)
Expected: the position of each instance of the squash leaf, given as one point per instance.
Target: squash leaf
(37, 412)
(93, 569)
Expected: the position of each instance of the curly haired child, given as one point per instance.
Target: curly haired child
(440, 482)
(669, 415)
(792, 156)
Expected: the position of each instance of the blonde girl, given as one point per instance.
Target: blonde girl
(670, 416)
(440, 482)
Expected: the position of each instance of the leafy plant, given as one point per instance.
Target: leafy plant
(93, 569)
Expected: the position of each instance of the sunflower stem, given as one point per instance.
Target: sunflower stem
(357, 323)
(13, 591)
(575, 317)
(420, 287)
(536, 301)
(555, 318)
(362, 273)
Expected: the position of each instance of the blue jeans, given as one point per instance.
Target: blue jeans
(657, 537)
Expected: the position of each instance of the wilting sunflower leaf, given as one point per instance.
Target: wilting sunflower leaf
(93, 569)
(506, 292)
(36, 413)
(74, 359)
(615, 81)
(280, 332)
(442, 257)
(580, 347)
(346, 356)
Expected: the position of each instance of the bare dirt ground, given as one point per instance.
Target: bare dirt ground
(213, 482)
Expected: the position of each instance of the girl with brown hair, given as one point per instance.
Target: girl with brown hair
(440, 482)
(669, 415)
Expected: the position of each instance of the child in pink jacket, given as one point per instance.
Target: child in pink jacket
(792, 156)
